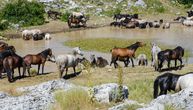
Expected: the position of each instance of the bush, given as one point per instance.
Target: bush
(65, 16)
(30, 13)
(4, 24)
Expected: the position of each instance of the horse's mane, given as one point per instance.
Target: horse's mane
(45, 52)
(133, 46)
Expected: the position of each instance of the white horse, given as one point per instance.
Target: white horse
(187, 22)
(184, 82)
(154, 58)
(166, 25)
(142, 60)
(27, 33)
(47, 36)
(68, 60)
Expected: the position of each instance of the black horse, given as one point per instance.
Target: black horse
(119, 16)
(166, 82)
(190, 13)
(168, 55)
(38, 36)
(54, 14)
(101, 62)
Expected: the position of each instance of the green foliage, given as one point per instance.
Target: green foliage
(30, 13)
(155, 6)
(120, 83)
(187, 3)
(111, 12)
(4, 24)
(65, 16)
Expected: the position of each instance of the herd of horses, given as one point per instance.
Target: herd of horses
(9, 60)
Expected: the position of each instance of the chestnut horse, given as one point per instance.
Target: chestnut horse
(38, 59)
(12, 62)
(126, 53)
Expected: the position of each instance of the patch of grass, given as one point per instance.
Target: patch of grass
(75, 99)
(169, 107)
(106, 44)
(133, 107)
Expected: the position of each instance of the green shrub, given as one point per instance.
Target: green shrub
(4, 24)
(65, 16)
(30, 13)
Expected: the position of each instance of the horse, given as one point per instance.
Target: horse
(47, 36)
(166, 26)
(38, 36)
(154, 58)
(142, 60)
(27, 34)
(54, 14)
(69, 60)
(169, 81)
(170, 54)
(3, 55)
(93, 61)
(119, 16)
(12, 62)
(38, 59)
(125, 53)
(101, 62)
(180, 18)
(190, 13)
(187, 22)
(77, 19)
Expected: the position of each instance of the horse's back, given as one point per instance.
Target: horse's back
(66, 60)
(121, 52)
(185, 81)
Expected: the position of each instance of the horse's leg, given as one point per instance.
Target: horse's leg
(38, 69)
(175, 62)
(43, 68)
(19, 71)
(180, 59)
(132, 62)
(74, 68)
(168, 63)
(66, 71)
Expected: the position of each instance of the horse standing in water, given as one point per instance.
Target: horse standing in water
(125, 53)
(170, 54)
(169, 81)
(69, 60)
(38, 59)
(154, 58)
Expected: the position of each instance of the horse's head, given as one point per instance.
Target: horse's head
(140, 44)
(77, 50)
(11, 48)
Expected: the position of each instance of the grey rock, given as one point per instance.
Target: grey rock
(140, 3)
(182, 100)
(106, 93)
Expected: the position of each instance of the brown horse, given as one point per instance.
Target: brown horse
(12, 62)
(3, 54)
(76, 20)
(3, 46)
(38, 59)
(126, 53)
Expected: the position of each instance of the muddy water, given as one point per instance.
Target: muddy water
(176, 35)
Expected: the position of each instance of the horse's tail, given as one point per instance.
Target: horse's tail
(155, 86)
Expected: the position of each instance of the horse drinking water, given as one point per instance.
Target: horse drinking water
(68, 60)
(125, 53)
